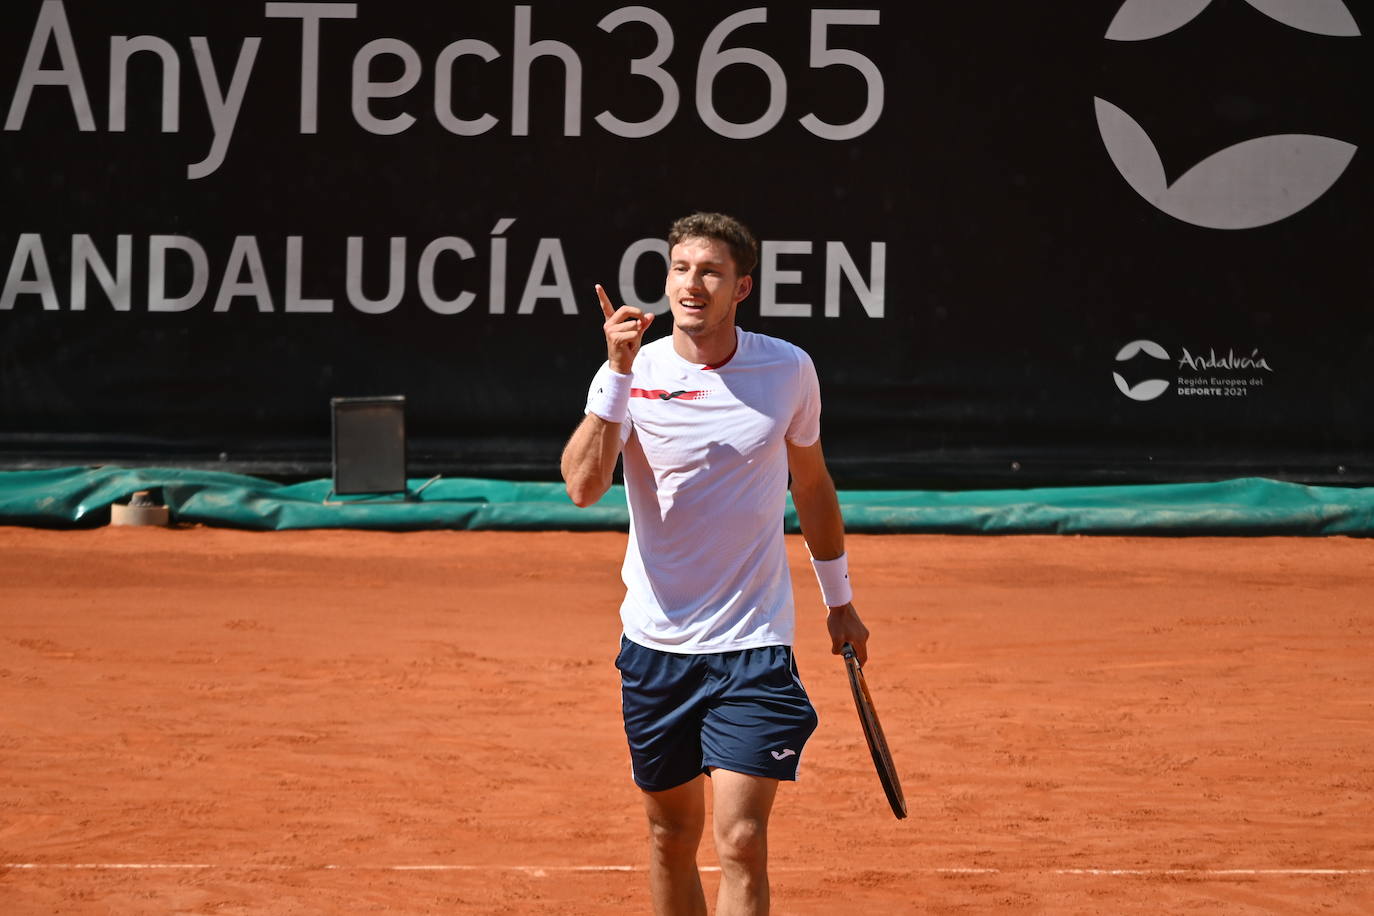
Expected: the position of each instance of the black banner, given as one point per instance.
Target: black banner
(1092, 241)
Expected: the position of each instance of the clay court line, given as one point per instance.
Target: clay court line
(1214, 872)
(542, 870)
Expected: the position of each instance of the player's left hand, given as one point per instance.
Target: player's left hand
(624, 329)
(846, 627)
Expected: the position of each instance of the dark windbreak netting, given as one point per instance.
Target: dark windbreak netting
(1104, 243)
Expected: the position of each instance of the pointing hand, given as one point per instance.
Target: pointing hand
(624, 328)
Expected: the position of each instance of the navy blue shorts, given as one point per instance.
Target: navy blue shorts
(744, 711)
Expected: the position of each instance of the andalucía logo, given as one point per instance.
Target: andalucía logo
(1229, 361)
(1228, 374)
(1250, 184)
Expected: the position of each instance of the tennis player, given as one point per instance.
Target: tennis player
(711, 420)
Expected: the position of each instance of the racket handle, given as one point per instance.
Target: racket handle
(847, 651)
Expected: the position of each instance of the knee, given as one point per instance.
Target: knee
(743, 843)
(672, 837)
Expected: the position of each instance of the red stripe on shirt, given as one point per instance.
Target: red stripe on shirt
(664, 395)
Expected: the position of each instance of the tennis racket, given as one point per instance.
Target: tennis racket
(873, 731)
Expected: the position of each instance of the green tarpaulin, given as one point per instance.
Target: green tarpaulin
(71, 497)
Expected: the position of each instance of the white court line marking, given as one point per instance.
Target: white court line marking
(543, 870)
(1214, 872)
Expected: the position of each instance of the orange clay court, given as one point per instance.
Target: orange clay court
(214, 721)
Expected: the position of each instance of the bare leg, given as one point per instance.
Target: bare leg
(742, 806)
(677, 817)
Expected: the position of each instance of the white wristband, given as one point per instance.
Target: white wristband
(611, 402)
(833, 575)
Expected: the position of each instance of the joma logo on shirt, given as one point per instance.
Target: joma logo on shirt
(667, 395)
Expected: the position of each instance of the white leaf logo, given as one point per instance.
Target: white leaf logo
(1137, 346)
(1149, 389)
(1141, 20)
(1320, 17)
(1250, 184)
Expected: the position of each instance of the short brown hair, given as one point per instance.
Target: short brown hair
(744, 248)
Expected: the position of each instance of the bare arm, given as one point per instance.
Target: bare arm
(589, 458)
(818, 511)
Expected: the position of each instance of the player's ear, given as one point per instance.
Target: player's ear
(746, 285)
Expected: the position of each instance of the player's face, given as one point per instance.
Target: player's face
(703, 287)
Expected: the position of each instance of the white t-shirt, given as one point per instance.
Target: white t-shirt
(706, 480)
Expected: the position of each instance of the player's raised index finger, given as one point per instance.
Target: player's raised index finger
(607, 309)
